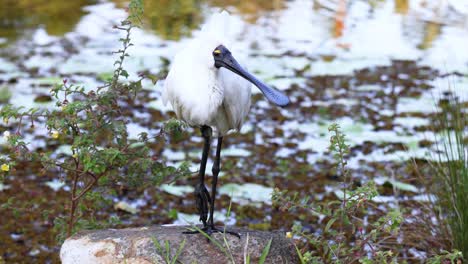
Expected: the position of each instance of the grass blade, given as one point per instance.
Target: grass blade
(214, 241)
(156, 244)
(299, 254)
(265, 252)
(168, 252)
(179, 250)
(246, 253)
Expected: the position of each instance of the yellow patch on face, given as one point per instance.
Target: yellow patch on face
(217, 51)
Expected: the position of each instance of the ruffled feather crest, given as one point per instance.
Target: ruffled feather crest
(219, 27)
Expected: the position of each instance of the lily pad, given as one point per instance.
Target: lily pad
(176, 190)
(55, 184)
(48, 81)
(126, 207)
(236, 152)
(247, 193)
(397, 184)
(43, 98)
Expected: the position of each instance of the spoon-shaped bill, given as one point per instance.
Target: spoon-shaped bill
(224, 58)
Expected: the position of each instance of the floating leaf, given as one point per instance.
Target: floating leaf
(403, 186)
(124, 73)
(124, 206)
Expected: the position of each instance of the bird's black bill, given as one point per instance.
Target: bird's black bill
(224, 58)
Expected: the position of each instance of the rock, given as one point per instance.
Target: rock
(136, 245)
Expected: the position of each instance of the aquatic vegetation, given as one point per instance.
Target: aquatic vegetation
(450, 178)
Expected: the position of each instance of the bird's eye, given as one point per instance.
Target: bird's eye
(216, 52)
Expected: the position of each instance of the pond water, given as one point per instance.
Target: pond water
(377, 68)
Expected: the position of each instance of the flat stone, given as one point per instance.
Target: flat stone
(136, 245)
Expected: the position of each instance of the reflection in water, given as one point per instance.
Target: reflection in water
(401, 6)
(336, 11)
(170, 19)
(431, 31)
(57, 16)
(340, 17)
(250, 10)
(173, 19)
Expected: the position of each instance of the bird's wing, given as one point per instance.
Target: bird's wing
(192, 92)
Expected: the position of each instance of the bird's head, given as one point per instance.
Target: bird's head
(214, 39)
(223, 58)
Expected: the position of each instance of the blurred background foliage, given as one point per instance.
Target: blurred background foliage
(56, 16)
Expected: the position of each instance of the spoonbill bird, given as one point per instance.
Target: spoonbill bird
(209, 89)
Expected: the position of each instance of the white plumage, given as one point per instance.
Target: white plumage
(200, 93)
(208, 88)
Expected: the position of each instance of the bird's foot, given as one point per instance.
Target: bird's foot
(210, 229)
(203, 201)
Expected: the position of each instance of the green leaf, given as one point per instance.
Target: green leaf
(124, 206)
(156, 244)
(299, 254)
(124, 73)
(329, 224)
(214, 241)
(179, 250)
(168, 252)
(403, 186)
(265, 252)
(105, 76)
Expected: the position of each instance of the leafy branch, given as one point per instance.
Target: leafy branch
(93, 126)
(348, 236)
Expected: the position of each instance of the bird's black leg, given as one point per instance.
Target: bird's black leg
(216, 168)
(202, 196)
(203, 200)
(210, 228)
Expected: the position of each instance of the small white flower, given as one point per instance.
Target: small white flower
(6, 135)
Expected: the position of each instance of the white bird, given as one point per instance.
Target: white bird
(208, 88)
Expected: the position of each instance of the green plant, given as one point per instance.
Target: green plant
(166, 251)
(454, 258)
(92, 125)
(346, 236)
(265, 252)
(340, 149)
(224, 247)
(451, 170)
(5, 95)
